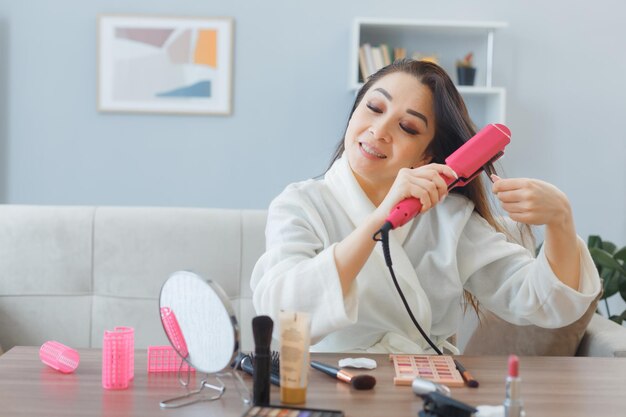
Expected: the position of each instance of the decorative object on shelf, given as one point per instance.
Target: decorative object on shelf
(153, 64)
(611, 264)
(429, 58)
(465, 70)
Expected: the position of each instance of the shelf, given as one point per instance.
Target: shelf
(449, 41)
(474, 90)
(449, 26)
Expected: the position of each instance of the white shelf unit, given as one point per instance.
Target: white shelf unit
(449, 41)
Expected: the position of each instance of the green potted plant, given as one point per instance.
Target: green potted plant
(465, 70)
(611, 264)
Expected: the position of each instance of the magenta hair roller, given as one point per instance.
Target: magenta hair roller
(131, 349)
(59, 357)
(116, 358)
(172, 328)
(165, 359)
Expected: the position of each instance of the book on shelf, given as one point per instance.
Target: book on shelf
(363, 69)
(378, 58)
(386, 55)
(373, 58)
(369, 59)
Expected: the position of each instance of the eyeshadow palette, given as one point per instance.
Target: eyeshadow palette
(285, 411)
(436, 368)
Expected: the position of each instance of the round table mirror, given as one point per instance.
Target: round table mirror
(200, 323)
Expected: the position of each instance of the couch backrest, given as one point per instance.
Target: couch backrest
(69, 273)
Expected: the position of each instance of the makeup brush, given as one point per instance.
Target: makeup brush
(262, 330)
(357, 381)
(245, 362)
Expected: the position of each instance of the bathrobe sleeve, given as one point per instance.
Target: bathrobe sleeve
(519, 288)
(298, 271)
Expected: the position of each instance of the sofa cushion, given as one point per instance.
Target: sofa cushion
(603, 338)
(45, 250)
(136, 249)
(494, 336)
(32, 320)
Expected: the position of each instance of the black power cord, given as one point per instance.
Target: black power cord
(383, 236)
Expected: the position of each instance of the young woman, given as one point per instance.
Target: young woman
(321, 257)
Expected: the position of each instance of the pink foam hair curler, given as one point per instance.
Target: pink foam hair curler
(131, 349)
(59, 357)
(165, 359)
(173, 331)
(116, 359)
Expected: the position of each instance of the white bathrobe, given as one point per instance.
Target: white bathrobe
(435, 257)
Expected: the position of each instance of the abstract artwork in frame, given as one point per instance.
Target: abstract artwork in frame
(154, 64)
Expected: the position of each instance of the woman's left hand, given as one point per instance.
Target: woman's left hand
(532, 201)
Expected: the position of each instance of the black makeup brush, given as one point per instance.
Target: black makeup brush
(245, 362)
(262, 330)
(357, 381)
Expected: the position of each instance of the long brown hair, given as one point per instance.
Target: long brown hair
(453, 127)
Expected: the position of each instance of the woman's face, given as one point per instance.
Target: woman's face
(390, 129)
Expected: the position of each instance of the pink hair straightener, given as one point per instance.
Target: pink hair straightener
(468, 162)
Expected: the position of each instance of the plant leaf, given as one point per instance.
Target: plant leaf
(609, 246)
(594, 241)
(621, 284)
(611, 283)
(605, 259)
(621, 255)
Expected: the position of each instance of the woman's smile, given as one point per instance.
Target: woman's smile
(371, 152)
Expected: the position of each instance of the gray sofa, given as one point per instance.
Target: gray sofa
(69, 273)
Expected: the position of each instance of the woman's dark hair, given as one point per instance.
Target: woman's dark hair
(453, 127)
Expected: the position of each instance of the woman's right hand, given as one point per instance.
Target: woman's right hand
(424, 183)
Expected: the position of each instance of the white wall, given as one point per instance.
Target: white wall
(562, 63)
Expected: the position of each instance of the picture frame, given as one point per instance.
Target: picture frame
(176, 65)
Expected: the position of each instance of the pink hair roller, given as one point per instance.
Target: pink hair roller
(59, 357)
(165, 359)
(172, 328)
(131, 349)
(116, 359)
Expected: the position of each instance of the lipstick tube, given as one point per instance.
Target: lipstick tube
(513, 404)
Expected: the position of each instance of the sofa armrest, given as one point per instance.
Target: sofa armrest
(603, 337)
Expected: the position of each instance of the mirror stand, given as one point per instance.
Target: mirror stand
(207, 391)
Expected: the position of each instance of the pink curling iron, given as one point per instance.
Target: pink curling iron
(468, 162)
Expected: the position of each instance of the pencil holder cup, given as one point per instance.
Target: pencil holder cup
(116, 359)
(59, 357)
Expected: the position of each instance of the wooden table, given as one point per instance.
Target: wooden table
(552, 386)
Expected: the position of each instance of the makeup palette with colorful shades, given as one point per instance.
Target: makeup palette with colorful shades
(287, 411)
(436, 368)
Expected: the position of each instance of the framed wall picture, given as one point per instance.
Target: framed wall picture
(155, 64)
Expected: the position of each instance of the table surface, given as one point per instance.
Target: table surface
(551, 386)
